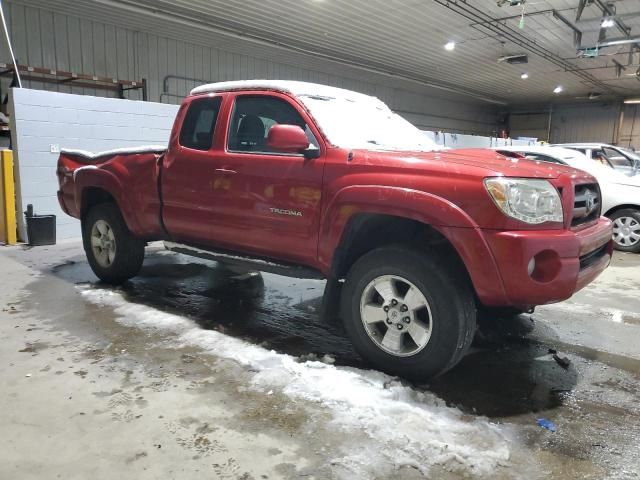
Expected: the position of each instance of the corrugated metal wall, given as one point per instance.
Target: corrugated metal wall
(43, 37)
(598, 122)
(629, 134)
(585, 123)
(529, 124)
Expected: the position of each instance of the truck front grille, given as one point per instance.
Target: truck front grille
(586, 205)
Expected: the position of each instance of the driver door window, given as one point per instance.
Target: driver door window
(252, 118)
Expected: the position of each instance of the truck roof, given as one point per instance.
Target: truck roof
(288, 86)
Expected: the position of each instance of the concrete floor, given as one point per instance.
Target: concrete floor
(191, 370)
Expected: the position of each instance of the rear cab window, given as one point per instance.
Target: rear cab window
(251, 118)
(199, 123)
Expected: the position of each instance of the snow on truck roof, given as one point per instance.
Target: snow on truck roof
(288, 86)
(347, 119)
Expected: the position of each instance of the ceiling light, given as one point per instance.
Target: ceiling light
(607, 23)
(632, 100)
(558, 89)
(449, 46)
(619, 41)
(524, 76)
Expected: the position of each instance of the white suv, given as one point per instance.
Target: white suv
(620, 193)
(623, 159)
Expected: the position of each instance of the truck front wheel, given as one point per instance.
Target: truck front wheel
(114, 254)
(408, 313)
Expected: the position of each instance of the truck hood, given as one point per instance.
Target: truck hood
(484, 163)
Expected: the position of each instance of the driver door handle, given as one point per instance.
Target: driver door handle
(225, 171)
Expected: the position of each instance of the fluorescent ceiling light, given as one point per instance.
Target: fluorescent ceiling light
(619, 41)
(449, 46)
(524, 76)
(607, 23)
(558, 89)
(632, 100)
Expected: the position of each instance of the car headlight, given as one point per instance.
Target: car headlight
(529, 200)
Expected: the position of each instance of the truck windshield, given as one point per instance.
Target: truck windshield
(365, 124)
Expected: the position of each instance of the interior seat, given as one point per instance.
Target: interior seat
(250, 135)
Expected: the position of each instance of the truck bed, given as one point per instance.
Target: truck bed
(131, 173)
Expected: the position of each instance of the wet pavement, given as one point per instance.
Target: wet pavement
(508, 381)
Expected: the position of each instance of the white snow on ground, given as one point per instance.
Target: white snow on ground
(604, 313)
(405, 427)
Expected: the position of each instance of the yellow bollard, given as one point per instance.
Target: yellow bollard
(7, 199)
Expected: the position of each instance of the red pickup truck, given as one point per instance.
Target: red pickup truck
(310, 180)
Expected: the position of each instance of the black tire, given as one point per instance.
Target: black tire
(448, 292)
(620, 214)
(129, 250)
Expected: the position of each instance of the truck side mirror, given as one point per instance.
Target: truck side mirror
(289, 139)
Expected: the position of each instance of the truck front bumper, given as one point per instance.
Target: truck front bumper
(548, 266)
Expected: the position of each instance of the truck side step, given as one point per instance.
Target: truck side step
(246, 261)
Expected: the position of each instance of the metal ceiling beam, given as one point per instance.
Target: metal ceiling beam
(577, 33)
(619, 67)
(623, 16)
(581, 5)
(472, 13)
(612, 42)
(610, 12)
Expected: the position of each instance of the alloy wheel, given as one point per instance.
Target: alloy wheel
(396, 315)
(103, 243)
(626, 231)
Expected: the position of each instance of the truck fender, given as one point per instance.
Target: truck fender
(445, 217)
(108, 182)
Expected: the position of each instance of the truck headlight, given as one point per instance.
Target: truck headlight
(529, 200)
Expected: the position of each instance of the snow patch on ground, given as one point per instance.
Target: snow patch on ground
(404, 426)
(604, 313)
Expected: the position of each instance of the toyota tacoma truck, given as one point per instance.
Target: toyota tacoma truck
(313, 181)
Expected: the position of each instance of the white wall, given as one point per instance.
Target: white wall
(43, 119)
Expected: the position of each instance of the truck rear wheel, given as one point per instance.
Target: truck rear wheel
(408, 313)
(114, 254)
(626, 230)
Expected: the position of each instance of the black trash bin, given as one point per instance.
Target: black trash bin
(41, 229)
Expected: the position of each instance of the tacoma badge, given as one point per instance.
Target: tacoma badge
(291, 213)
